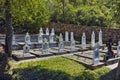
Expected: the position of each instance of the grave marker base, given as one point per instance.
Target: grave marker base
(19, 56)
(38, 53)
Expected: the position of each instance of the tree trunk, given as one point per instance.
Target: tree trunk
(9, 31)
(118, 72)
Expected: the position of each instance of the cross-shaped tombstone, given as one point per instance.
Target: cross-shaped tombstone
(66, 36)
(93, 39)
(45, 46)
(61, 43)
(41, 31)
(83, 41)
(27, 38)
(118, 49)
(26, 49)
(100, 38)
(96, 55)
(40, 39)
(47, 31)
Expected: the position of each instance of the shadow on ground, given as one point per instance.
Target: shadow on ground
(39, 73)
(4, 67)
(109, 76)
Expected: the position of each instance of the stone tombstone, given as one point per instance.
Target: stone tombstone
(26, 48)
(66, 36)
(93, 39)
(51, 38)
(118, 49)
(52, 32)
(96, 55)
(61, 43)
(83, 41)
(41, 31)
(13, 40)
(40, 38)
(100, 38)
(47, 31)
(73, 45)
(45, 46)
(72, 36)
(27, 38)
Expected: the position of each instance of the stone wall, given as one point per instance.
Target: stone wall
(78, 31)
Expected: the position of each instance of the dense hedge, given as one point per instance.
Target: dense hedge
(78, 31)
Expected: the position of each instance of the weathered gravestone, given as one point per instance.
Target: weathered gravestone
(67, 42)
(41, 31)
(66, 36)
(27, 38)
(96, 55)
(118, 49)
(83, 41)
(45, 47)
(93, 39)
(53, 32)
(26, 49)
(13, 40)
(61, 43)
(47, 31)
(40, 38)
(100, 38)
(72, 42)
(73, 45)
(72, 36)
(14, 44)
(51, 38)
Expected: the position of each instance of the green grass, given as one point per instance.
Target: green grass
(55, 69)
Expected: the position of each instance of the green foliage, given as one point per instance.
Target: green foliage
(29, 15)
(91, 13)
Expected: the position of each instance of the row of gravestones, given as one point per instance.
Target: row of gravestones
(51, 38)
(61, 43)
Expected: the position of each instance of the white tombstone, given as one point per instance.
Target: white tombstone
(13, 40)
(66, 36)
(61, 38)
(118, 49)
(83, 41)
(61, 43)
(52, 32)
(100, 38)
(41, 31)
(26, 49)
(93, 39)
(72, 36)
(27, 38)
(45, 47)
(73, 45)
(51, 38)
(47, 31)
(96, 55)
(40, 39)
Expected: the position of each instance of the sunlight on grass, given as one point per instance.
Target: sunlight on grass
(56, 69)
(61, 64)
